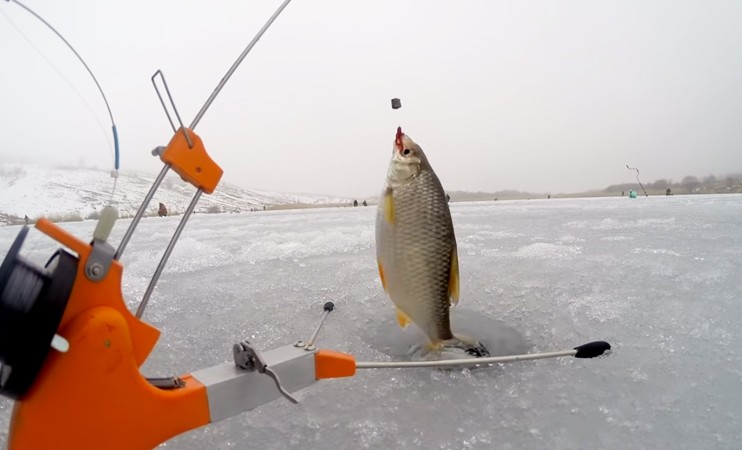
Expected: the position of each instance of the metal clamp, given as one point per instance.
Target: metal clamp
(247, 357)
(99, 260)
(172, 104)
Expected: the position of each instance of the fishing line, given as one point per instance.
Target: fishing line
(115, 181)
(61, 75)
(114, 174)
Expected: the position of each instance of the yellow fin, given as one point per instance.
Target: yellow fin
(389, 206)
(433, 346)
(402, 319)
(453, 280)
(381, 274)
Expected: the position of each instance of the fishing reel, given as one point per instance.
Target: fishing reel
(32, 302)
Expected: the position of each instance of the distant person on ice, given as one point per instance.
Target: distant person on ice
(162, 212)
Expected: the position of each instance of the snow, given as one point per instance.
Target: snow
(64, 192)
(656, 277)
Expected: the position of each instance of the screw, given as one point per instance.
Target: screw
(95, 271)
(299, 344)
(310, 348)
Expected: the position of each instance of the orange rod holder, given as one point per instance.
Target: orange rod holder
(193, 164)
(93, 395)
(114, 405)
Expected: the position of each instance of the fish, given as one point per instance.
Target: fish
(416, 249)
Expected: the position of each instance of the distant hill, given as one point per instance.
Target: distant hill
(728, 184)
(464, 196)
(711, 184)
(74, 193)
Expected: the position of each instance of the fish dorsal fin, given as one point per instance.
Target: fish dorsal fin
(453, 279)
(381, 275)
(389, 206)
(402, 319)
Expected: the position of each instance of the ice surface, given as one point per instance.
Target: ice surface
(657, 277)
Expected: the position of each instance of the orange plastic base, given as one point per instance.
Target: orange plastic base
(94, 397)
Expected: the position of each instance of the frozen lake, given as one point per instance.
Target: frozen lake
(659, 278)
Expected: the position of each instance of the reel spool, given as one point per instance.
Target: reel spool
(32, 302)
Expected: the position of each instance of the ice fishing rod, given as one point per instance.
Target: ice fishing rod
(236, 64)
(589, 350)
(100, 89)
(637, 179)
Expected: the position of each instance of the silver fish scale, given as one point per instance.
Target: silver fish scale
(415, 252)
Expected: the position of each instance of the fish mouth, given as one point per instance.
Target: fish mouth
(398, 139)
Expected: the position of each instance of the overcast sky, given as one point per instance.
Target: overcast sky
(544, 96)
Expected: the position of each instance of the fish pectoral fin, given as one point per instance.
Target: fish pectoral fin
(432, 350)
(402, 319)
(389, 206)
(381, 275)
(453, 279)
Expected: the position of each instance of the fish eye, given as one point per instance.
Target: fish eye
(406, 151)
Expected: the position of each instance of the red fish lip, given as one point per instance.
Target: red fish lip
(398, 139)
